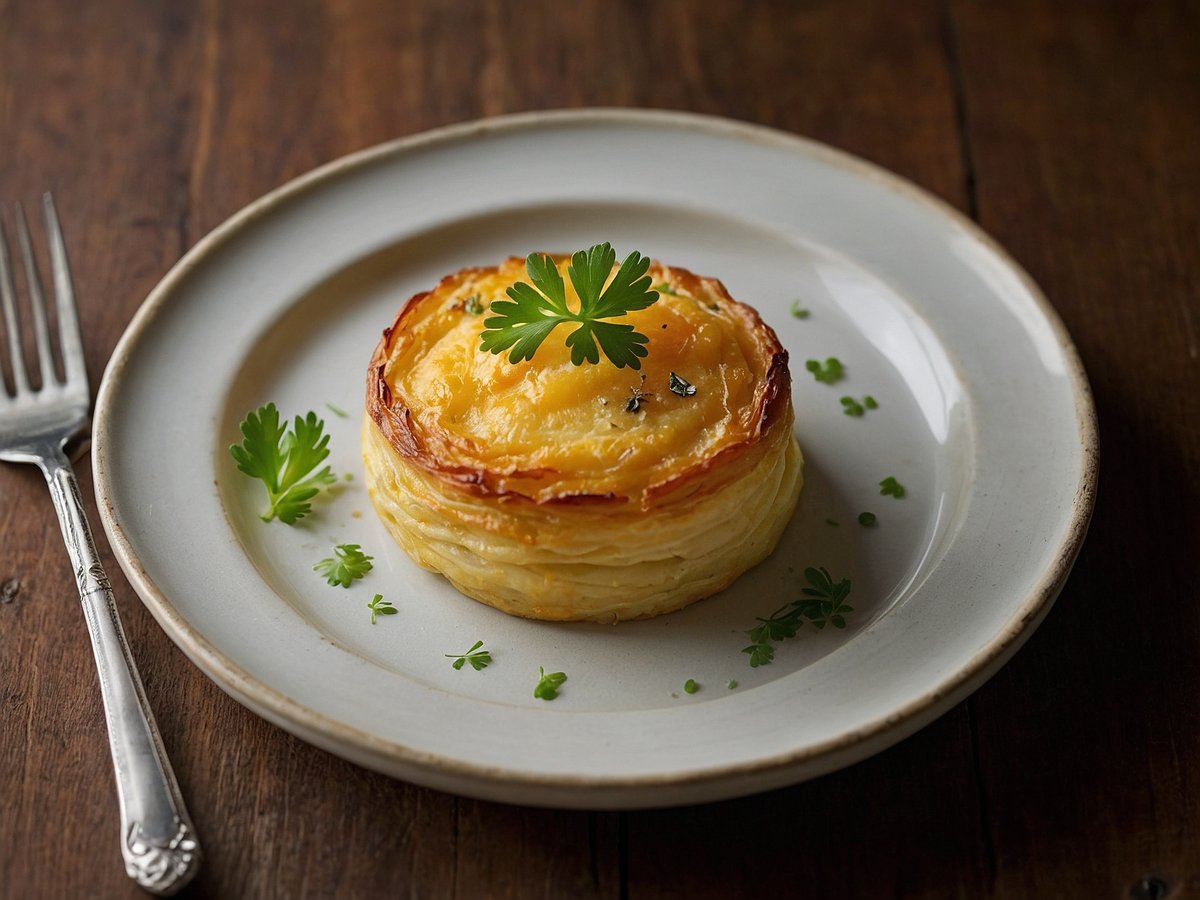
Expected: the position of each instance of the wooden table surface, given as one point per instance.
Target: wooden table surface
(1071, 132)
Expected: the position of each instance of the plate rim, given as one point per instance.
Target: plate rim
(568, 789)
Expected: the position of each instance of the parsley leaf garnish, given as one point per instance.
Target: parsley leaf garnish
(381, 607)
(679, 386)
(347, 565)
(829, 372)
(548, 684)
(476, 657)
(284, 460)
(852, 407)
(534, 310)
(891, 486)
(760, 654)
(822, 603)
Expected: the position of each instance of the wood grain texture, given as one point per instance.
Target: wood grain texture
(1079, 124)
(1069, 130)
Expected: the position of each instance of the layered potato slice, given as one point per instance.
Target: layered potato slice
(563, 492)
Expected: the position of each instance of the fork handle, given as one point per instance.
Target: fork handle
(158, 840)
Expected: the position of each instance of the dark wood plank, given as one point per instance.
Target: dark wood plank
(519, 852)
(906, 823)
(86, 98)
(1083, 124)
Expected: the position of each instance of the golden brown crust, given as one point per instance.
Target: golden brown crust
(392, 413)
(539, 488)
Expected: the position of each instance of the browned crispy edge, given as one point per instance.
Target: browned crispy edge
(393, 417)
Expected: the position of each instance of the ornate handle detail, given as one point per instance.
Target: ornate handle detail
(158, 839)
(160, 866)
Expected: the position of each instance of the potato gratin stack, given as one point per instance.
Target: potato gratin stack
(582, 492)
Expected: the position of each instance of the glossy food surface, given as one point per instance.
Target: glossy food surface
(546, 428)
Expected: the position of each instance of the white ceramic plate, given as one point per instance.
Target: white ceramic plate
(984, 416)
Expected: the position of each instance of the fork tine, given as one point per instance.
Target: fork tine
(8, 299)
(37, 300)
(64, 299)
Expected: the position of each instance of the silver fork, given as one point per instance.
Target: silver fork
(158, 840)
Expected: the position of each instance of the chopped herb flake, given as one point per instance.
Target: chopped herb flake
(473, 306)
(337, 411)
(866, 519)
(690, 686)
(891, 486)
(665, 288)
(852, 407)
(347, 565)
(381, 607)
(829, 372)
(679, 386)
(636, 398)
(476, 657)
(548, 684)
(731, 683)
(799, 311)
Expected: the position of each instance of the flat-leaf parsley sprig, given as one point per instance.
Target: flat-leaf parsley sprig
(477, 658)
(284, 460)
(381, 607)
(347, 565)
(532, 311)
(822, 603)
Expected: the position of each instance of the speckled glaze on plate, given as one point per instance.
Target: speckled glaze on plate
(984, 415)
